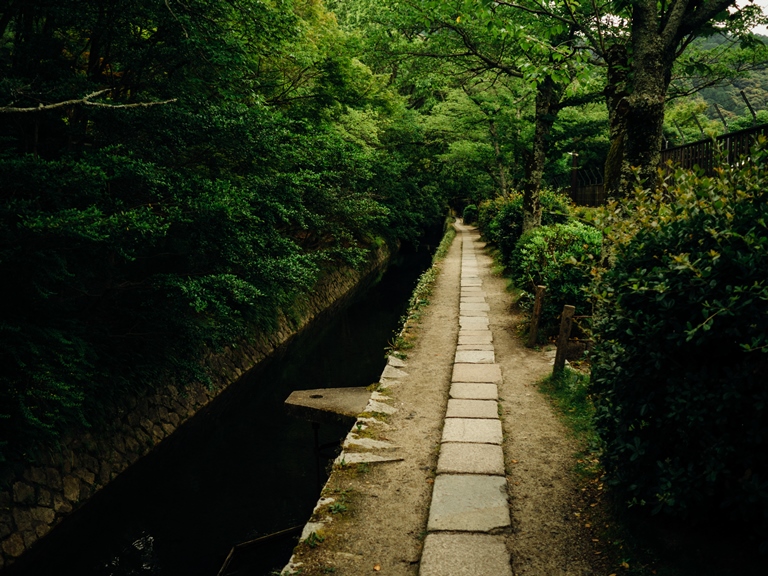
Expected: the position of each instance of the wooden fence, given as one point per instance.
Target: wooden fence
(587, 186)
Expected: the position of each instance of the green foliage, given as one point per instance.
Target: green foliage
(470, 214)
(501, 219)
(560, 257)
(682, 325)
(134, 239)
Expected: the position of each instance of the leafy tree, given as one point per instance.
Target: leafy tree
(173, 176)
(639, 43)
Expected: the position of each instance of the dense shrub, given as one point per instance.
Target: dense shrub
(501, 221)
(486, 213)
(560, 257)
(679, 369)
(470, 214)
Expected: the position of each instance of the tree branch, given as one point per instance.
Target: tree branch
(84, 101)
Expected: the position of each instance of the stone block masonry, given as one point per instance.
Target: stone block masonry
(35, 499)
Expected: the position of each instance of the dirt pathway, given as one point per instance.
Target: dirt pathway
(376, 514)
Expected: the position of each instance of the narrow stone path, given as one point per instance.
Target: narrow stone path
(469, 499)
(457, 467)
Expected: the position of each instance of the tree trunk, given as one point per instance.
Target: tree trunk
(651, 68)
(499, 158)
(616, 101)
(546, 112)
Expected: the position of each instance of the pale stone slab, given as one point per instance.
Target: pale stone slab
(461, 408)
(474, 347)
(473, 323)
(476, 373)
(392, 372)
(374, 406)
(395, 361)
(474, 290)
(475, 430)
(475, 299)
(470, 282)
(369, 443)
(474, 391)
(463, 458)
(468, 503)
(475, 337)
(464, 555)
(474, 306)
(474, 313)
(475, 357)
(368, 457)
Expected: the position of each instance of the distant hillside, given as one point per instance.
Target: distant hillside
(728, 97)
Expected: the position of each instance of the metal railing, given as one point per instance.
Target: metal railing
(587, 185)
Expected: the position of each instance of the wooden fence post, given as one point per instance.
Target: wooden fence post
(538, 303)
(562, 340)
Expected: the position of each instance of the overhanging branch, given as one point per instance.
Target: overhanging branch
(84, 101)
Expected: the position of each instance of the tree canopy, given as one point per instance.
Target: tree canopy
(174, 174)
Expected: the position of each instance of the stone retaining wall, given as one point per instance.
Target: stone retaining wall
(34, 500)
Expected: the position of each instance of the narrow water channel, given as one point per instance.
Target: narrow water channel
(238, 471)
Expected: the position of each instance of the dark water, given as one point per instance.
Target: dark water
(239, 470)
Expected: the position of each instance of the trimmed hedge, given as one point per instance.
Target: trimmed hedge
(679, 368)
(560, 257)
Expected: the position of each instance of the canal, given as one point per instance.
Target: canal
(241, 469)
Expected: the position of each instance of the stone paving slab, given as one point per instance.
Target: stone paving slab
(465, 458)
(474, 314)
(475, 299)
(464, 555)
(474, 290)
(462, 408)
(468, 503)
(474, 347)
(471, 282)
(475, 337)
(476, 373)
(473, 323)
(474, 391)
(474, 306)
(475, 357)
(475, 430)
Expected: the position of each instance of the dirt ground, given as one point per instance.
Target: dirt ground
(379, 514)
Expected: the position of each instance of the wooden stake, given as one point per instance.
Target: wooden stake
(537, 305)
(566, 321)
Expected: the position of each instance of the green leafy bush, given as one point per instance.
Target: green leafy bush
(486, 213)
(470, 214)
(501, 220)
(679, 368)
(560, 257)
